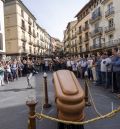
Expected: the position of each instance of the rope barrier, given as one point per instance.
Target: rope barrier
(92, 100)
(109, 115)
(100, 117)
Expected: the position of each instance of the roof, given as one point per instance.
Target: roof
(83, 8)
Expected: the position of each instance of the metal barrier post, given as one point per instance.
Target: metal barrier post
(87, 102)
(46, 105)
(32, 119)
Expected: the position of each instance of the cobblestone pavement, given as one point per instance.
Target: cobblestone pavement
(14, 112)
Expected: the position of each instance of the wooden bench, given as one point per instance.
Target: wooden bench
(69, 96)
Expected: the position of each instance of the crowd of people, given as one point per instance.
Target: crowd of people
(103, 69)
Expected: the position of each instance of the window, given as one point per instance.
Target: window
(30, 38)
(23, 46)
(111, 22)
(80, 38)
(37, 34)
(86, 36)
(29, 21)
(23, 24)
(1, 41)
(110, 37)
(29, 30)
(97, 41)
(86, 24)
(80, 48)
(80, 29)
(96, 13)
(110, 6)
(96, 25)
(30, 50)
(87, 47)
(23, 34)
(34, 50)
(33, 24)
(22, 13)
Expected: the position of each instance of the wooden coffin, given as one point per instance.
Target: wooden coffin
(69, 96)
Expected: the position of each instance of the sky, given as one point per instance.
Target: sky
(53, 15)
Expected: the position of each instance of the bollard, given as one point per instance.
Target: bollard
(87, 102)
(32, 119)
(46, 105)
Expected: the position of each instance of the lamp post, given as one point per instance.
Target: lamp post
(46, 105)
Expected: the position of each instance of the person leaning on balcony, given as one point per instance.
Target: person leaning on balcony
(116, 70)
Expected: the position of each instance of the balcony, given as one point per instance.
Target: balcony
(83, 50)
(38, 45)
(95, 18)
(80, 42)
(30, 43)
(96, 32)
(73, 36)
(79, 32)
(24, 39)
(112, 43)
(30, 21)
(35, 45)
(104, 1)
(34, 35)
(109, 12)
(87, 49)
(24, 50)
(30, 32)
(42, 39)
(86, 39)
(110, 28)
(96, 46)
(86, 28)
(23, 27)
(73, 45)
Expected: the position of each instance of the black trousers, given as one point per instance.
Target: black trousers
(116, 81)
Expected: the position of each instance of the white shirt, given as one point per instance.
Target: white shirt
(68, 63)
(103, 65)
(74, 67)
(83, 64)
(8, 68)
(90, 62)
(46, 63)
